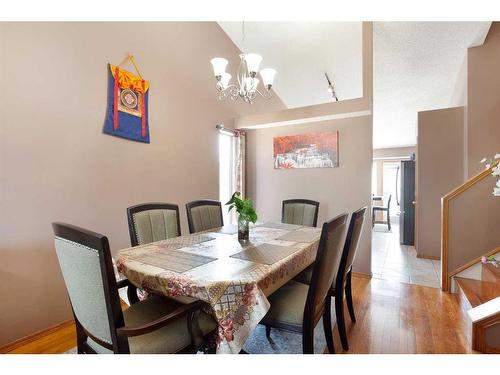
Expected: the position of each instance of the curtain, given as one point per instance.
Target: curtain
(237, 165)
(240, 162)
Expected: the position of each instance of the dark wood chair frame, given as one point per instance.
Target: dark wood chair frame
(344, 279)
(203, 202)
(382, 209)
(147, 207)
(311, 319)
(132, 290)
(119, 331)
(302, 201)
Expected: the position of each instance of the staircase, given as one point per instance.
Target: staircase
(469, 231)
(480, 305)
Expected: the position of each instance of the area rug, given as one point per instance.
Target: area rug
(280, 342)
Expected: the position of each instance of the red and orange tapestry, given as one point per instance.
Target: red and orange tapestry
(313, 150)
(127, 114)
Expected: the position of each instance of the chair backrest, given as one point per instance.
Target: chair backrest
(325, 266)
(203, 215)
(300, 212)
(351, 245)
(86, 265)
(387, 200)
(151, 222)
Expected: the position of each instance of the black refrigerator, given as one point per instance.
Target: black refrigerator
(407, 204)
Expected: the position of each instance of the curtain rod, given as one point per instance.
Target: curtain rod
(235, 132)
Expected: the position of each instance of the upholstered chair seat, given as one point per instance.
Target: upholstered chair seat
(300, 212)
(169, 339)
(287, 305)
(204, 215)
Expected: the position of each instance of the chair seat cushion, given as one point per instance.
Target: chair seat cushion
(287, 304)
(169, 339)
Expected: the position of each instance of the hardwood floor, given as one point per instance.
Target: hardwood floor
(392, 317)
(395, 317)
(54, 341)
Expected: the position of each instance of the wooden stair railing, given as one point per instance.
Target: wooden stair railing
(445, 207)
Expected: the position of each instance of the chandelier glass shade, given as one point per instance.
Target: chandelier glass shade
(247, 86)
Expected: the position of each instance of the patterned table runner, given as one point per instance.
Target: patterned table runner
(279, 226)
(301, 235)
(177, 261)
(266, 253)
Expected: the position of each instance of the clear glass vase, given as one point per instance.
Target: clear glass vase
(243, 233)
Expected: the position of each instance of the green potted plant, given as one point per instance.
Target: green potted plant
(246, 214)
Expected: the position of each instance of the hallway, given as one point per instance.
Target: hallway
(396, 262)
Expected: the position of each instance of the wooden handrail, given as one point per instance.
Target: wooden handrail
(445, 207)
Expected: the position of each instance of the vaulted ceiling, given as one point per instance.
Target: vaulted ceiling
(302, 52)
(416, 65)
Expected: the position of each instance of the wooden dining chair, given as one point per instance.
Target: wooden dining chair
(386, 209)
(342, 282)
(298, 307)
(155, 325)
(203, 215)
(300, 212)
(151, 222)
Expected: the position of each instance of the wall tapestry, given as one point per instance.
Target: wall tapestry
(314, 150)
(127, 112)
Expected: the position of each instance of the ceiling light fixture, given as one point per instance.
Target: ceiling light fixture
(331, 88)
(247, 87)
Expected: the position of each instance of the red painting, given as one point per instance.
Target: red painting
(314, 150)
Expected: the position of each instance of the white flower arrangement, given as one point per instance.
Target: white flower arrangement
(495, 171)
(490, 260)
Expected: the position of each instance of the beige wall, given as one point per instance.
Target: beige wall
(459, 94)
(439, 170)
(345, 188)
(483, 110)
(55, 163)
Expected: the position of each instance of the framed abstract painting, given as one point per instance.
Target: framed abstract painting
(313, 150)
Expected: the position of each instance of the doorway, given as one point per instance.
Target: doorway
(391, 260)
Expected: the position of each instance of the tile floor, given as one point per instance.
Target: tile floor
(393, 261)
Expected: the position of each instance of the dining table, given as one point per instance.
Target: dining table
(233, 277)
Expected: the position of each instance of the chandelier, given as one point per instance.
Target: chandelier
(247, 87)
